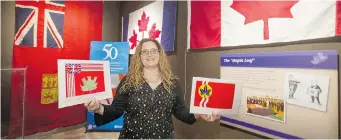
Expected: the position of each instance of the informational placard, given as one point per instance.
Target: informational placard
(287, 95)
(81, 80)
(117, 53)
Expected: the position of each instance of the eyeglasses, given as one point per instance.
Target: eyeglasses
(151, 51)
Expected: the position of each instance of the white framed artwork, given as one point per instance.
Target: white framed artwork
(81, 80)
(215, 95)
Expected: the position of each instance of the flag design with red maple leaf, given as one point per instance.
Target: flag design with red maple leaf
(263, 10)
(156, 20)
(153, 33)
(237, 23)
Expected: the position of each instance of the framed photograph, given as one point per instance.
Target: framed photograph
(81, 80)
(307, 90)
(266, 106)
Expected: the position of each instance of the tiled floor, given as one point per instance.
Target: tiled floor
(79, 134)
(73, 132)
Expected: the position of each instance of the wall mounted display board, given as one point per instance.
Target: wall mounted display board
(285, 94)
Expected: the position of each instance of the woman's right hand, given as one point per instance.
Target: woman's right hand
(95, 106)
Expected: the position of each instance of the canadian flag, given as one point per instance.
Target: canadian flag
(155, 21)
(235, 22)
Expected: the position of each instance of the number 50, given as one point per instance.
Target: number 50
(109, 52)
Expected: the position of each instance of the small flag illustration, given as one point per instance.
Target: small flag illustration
(214, 94)
(84, 79)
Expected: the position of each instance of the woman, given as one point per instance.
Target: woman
(148, 95)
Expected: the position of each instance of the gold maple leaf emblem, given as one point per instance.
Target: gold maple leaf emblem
(89, 83)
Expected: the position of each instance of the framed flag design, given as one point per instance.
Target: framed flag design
(215, 95)
(81, 80)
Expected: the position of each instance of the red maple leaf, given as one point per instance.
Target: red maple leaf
(153, 34)
(263, 10)
(143, 22)
(133, 40)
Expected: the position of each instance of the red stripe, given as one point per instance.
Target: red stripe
(81, 68)
(68, 85)
(88, 67)
(91, 64)
(55, 7)
(85, 69)
(41, 20)
(72, 84)
(27, 3)
(25, 24)
(54, 35)
(338, 18)
(42, 4)
(205, 26)
(91, 69)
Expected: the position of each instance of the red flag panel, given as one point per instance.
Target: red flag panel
(91, 74)
(220, 95)
(205, 33)
(82, 23)
(338, 18)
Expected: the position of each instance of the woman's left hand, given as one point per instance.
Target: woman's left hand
(209, 118)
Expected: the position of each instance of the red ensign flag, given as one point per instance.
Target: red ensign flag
(46, 31)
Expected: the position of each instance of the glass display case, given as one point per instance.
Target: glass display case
(13, 89)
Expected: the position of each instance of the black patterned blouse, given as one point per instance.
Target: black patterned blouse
(147, 112)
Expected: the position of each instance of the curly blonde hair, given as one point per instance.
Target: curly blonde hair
(134, 77)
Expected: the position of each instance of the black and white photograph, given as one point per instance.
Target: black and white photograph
(307, 90)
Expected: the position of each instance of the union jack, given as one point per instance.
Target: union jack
(39, 23)
(72, 69)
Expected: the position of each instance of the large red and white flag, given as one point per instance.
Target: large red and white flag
(235, 22)
(46, 31)
(215, 95)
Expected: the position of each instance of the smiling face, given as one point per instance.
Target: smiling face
(150, 54)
